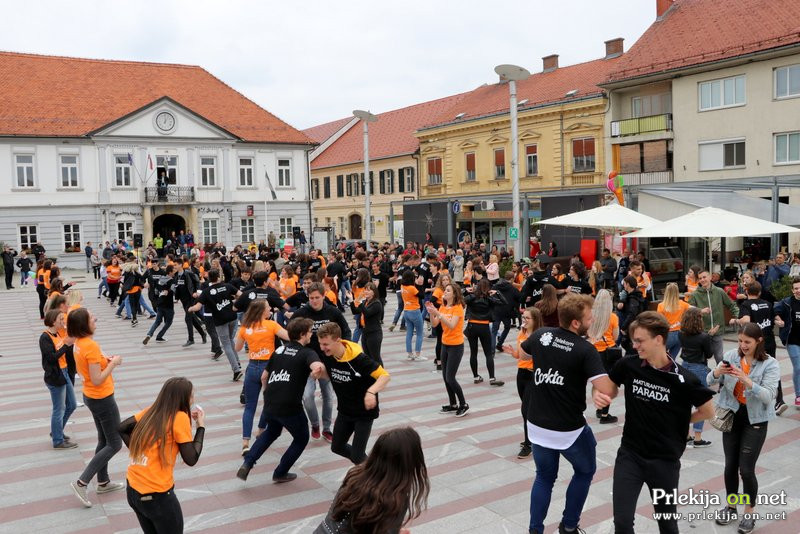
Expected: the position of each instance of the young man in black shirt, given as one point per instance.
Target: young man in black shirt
(186, 285)
(357, 379)
(164, 302)
(284, 381)
(759, 311)
(261, 290)
(575, 282)
(219, 297)
(661, 400)
(531, 291)
(565, 361)
(321, 313)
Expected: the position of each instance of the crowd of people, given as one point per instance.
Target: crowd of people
(308, 320)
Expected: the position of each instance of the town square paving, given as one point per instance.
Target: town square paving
(477, 483)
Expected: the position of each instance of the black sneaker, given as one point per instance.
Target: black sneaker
(608, 419)
(216, 355)
(462, 410)
(134, 322)
(448, 409)
(65, 445)
(725, 516)
(700, 444)
(237, 375)
(205, 339)
(780, 408)
(243, 471)
(161, 340)
(241, 398)
(524, 451)
(563, 530)
(477, 379)
(495, 382)
(746, 525)
(689, 441)
(145, 340)
(288, 477)
(188, 343)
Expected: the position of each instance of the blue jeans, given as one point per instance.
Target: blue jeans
(166, 315)
(64, 404)
(252, 388)
(700, 371)
(146, 305)
(357, 330)
(297, 425)
(794, 356)
(581, 455)
(103, 286)
(399, 311)
(413, 320)
(327, 402)
(673, 344)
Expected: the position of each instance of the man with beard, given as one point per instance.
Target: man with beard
(565, 361)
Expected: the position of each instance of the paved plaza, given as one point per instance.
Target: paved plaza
(478, 484)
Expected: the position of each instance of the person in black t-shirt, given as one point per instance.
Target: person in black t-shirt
(759, 311)
(556, 399)
(357, 379)
(164, 301)
(285, 380)
(219, 297)
(574, 282)
(661, 399)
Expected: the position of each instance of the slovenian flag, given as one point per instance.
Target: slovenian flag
(150, 162)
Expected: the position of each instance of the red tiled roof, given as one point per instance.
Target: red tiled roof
(322, 132)
(539, 89)
(68, 97)
(391, 135)
(693, 32)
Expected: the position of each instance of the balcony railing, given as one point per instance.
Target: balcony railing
(647, 178)
(640, 125)
(171, 194)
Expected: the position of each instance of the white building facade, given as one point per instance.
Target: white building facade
(65, 191)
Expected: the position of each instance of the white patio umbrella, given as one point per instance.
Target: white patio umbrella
(610, 218)
(710, 223)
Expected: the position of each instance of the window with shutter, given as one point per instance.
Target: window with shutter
(583, 155)
(401, 181)
(340, 186)
(326, 187)
(434, 171)
(531, 160)
(470, 165)
(381, 178)
(499, 163)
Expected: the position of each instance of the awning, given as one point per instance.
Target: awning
(667, 204)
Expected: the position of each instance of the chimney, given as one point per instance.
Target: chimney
(614, 47)
(550, 63)
(662, 6)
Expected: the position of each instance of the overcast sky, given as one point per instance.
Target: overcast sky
(315, 61)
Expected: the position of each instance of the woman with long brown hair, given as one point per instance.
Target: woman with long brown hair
(154, 437)
(385, 492)
(98, 393)
(370, 312)
(450, 316)
(480, 304)
(54, 347)
(548, 305)
(260, 333)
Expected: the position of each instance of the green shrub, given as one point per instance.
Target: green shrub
(781, 288)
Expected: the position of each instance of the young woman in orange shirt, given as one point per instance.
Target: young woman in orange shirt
(98, 393)
(450, 316)
(154, 437)
(531, 321)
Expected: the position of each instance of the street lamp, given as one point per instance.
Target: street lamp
(514, 74)
(366, 117)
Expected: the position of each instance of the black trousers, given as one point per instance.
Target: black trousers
(9, 271)
(192, 321)
(158, 513)
(451, 356)
(42, 299)
(524, 377)
(742, 446)
(134, 299)
(631, 470)
(437, 331)
(211, 328)
(346, 426)
(372, 341)
(482, 332)
(113, 290)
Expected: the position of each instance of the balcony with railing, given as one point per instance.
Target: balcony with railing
(171, 194)
(647, 178)
(642, 125)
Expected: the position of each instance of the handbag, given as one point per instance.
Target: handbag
(723, 419)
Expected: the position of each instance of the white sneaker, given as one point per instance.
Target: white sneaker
(108, 488)
(80, 493)
(410, 357)
(420, 359)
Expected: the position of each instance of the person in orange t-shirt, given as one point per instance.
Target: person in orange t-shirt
(98, 394)
(673, 308)
(287, 282)
(260, 333)
(412, 315)
(113, 279)
(531, 321)
(43, 284)
(450, 316)
(154, 437)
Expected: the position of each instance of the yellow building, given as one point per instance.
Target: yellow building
(337, 170)
(466, 152)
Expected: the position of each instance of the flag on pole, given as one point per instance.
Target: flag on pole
(150, 162)
(269, 184)
(130, 159)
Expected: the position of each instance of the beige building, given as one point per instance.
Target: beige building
(337, 170)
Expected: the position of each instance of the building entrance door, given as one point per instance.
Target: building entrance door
(355, 226)
(168, 225)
